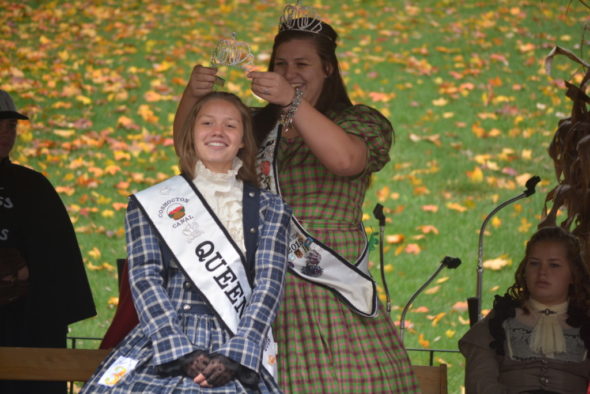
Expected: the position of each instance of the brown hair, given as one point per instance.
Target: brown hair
(517, 294)
(579, 291)
(184, 139)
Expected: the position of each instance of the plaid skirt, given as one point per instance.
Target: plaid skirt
(326, 348)
(202, 330)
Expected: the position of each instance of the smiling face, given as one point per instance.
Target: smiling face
(298, 62)
(548, 273)
(218, 134)
(7, 136)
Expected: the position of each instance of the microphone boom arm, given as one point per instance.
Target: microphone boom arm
(475, 302)
(451, 263)
(379, 215)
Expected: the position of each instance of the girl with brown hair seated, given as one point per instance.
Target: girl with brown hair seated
(537, 336)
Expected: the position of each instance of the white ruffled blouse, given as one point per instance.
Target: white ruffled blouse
(223, 192)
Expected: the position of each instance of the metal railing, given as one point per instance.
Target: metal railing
(72, 342)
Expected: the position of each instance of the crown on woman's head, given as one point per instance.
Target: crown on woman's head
(298, 17)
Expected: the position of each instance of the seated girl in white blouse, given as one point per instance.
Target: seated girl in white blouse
(207, 260)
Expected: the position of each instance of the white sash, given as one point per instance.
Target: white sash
(204, 250)
(311, 259)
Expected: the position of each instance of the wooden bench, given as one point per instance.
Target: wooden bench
(432, 379)
(22, 363)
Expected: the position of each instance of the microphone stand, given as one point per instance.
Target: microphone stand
(378, 213)
(474, 303)
(449, 262)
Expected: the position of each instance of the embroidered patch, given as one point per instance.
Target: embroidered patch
(121, 367)
(312, 264)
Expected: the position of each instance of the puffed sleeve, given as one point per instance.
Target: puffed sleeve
(270, 266)
(147, 274)
(482, 370)
(370, 125)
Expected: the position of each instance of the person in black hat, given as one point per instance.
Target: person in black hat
(8, 120)
(43, 284)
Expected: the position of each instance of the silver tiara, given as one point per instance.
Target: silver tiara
(298, 17)
(231, 52)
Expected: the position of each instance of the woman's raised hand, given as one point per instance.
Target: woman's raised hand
(272, 87)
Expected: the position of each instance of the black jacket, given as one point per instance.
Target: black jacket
(33, 220)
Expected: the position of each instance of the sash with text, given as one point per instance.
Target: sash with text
(311, 259)
(204, 250)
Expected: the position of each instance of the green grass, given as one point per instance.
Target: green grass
(86, 71)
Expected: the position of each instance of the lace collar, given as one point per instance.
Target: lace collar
(223, 192)
(219, 181)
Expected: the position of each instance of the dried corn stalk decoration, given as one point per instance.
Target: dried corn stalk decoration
(570, 152)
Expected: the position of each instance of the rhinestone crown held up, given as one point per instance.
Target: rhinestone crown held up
(231, 52)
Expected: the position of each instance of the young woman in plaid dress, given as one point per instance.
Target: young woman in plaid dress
(180, 344)
(324, 161)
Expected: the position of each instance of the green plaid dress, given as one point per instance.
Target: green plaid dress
(323, 346)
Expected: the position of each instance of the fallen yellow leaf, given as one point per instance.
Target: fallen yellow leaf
(456, 207)
(423, 342)
(428, 228)
(413, 249)
(497, 263)
(65, 190)
(95, 253)
(430, 208)
(526, 154)
(440, 102)
(476, 175)
(64, 133)
(460, 306)
(432, 290)
(93, 267)
(383, 193)
(107, 213)
(496, 222)
(525, 225)
(421, 190)
(394, 239)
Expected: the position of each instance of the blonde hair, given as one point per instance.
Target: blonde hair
(184, 140)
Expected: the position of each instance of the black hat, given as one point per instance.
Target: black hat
(7, 108)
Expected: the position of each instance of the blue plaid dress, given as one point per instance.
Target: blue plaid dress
(174, 319)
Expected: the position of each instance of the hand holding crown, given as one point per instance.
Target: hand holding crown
(227, 52)
(231, 52)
